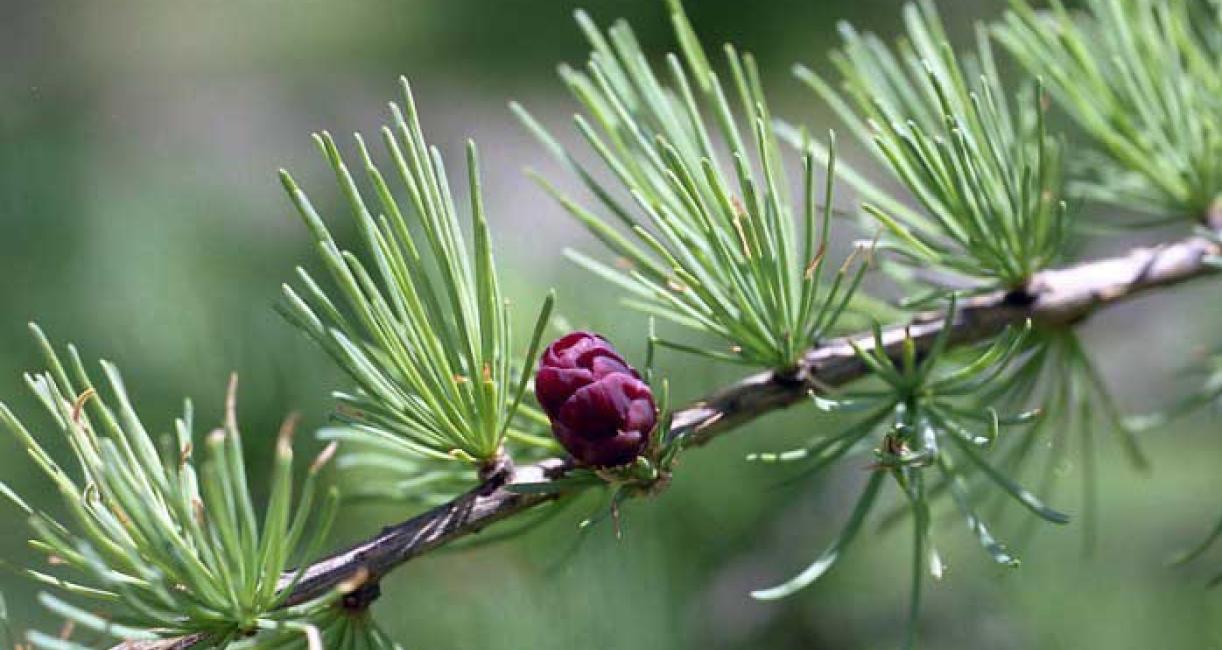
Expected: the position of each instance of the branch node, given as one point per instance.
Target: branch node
(1021, 297)
(793, 377)
(496, 471)
(358, 601)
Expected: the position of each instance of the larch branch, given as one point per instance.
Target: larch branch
(1054, 297)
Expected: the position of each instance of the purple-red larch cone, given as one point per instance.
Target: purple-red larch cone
(601, 411)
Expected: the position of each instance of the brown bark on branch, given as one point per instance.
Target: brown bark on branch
(1054, 297)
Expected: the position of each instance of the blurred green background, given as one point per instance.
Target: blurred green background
(140, 217)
